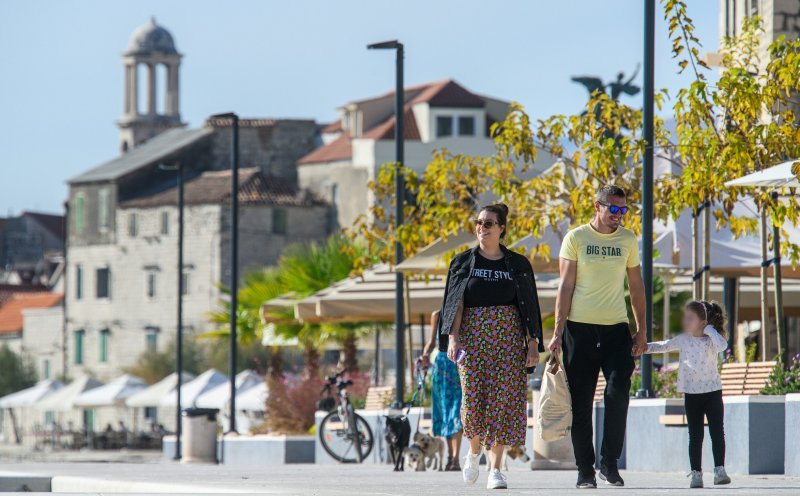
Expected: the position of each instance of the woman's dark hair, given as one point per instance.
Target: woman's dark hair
(711, 312)
(501, 211)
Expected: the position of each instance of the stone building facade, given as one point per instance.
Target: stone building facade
(122, 273)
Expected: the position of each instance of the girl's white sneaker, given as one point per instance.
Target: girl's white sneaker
(496, 480)
(720, 476)
(697, 479)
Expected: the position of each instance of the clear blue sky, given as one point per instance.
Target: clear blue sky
(61, 85)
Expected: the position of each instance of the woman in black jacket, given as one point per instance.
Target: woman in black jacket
(491, 316)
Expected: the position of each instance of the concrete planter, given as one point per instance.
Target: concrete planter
(266, 450)
(257, 450)
(652, 447)
(792, 440)
(755, 434)
(376, 421)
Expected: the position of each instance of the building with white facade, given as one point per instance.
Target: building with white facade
(437, 115)
(122, 271)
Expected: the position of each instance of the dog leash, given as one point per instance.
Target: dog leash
(421, 374)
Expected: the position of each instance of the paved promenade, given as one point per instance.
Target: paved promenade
(333, 480)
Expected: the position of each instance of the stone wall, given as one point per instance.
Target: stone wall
(273, 146)
(42, 337)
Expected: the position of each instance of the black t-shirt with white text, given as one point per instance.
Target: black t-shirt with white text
(490, 284)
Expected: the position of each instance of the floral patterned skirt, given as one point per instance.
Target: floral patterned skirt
(493, 378)
(446, 397)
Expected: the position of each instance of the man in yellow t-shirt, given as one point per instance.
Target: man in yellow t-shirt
(592, 328)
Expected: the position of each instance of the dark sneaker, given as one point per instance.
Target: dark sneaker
(586, 480)
(610, 474)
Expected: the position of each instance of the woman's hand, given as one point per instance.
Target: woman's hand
(425, 360)
(452, 347)
(533, 355)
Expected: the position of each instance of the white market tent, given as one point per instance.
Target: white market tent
(151, 396)
(253, 399)
(30, 396)
(64, 399)
(778, 176)
(219, 396)
(112, 394)
(194, 388)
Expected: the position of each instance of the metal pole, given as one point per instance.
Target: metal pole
(706, 285)
(730, 290)
(377, 374)
(647, 190)
(695, 255)
(780, 325)
(399, 194)
(764, 287)
(234, 264)
(64, 332)
(179, 334)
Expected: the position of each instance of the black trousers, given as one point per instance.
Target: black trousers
(588, 349)
(708, 405)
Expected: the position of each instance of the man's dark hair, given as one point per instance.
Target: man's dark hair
(609, 190)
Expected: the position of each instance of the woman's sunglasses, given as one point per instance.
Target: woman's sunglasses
(615, 210)
(488, 224)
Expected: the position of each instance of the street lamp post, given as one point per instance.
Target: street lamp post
(647, 190)
(234, 281)
(179, 325)
(399, 194)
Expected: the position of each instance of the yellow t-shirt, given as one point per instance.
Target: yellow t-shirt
(603, 260)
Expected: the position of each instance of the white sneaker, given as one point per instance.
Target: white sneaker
(697, 479)
(720, 476)
(496, 480)
(470, 470)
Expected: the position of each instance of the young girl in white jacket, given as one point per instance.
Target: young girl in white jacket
(698, 379)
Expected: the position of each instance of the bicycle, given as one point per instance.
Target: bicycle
(344, 434)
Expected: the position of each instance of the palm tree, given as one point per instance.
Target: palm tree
(302, 270)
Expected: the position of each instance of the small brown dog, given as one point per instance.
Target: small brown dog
(433, 450)
(513, 452)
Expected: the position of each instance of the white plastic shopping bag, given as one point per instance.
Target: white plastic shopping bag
(554, 415)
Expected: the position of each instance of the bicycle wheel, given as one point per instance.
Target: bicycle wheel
(339, 440)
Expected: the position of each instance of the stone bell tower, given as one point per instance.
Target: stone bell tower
(152, 67)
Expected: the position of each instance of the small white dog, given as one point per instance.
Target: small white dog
(513, 452)
(432, 449)
(415, 458)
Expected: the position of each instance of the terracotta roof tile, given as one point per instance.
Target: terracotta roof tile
(333, 127)
(446, 93)
(338, 149)
(385, 130)
(215, 187)
(11, 313)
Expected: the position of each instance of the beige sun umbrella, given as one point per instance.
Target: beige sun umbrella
(434, 259)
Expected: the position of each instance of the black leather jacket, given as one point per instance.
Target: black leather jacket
(520, 270)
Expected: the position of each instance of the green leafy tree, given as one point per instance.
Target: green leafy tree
(152, 366)
(17, 372)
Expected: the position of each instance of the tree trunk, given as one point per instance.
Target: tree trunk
(350, 352)
(311, 358)
(274, 362)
